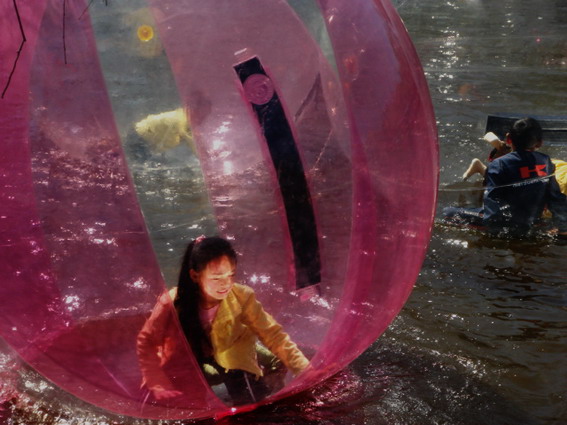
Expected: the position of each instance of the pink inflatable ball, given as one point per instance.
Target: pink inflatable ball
(304, 164)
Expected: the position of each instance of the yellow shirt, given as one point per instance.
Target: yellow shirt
(561, 174)
(240, 321)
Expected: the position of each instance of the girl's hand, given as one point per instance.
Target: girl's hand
(161, 393)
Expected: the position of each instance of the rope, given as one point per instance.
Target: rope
(516, 184)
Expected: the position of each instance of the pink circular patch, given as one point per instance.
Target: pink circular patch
(259, 89)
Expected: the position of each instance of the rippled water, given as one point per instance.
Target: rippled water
(483, 337)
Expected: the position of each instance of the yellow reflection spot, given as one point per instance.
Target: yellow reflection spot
(145, 32)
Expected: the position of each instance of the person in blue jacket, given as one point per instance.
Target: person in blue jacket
(518, 187)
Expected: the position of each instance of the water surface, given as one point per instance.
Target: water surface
(483, 338)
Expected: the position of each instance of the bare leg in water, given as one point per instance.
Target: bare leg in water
(476, 167)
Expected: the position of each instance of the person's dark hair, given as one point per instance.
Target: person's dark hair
(526, 134)
(198, 254)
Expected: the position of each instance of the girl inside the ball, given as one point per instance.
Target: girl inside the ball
(222, 321)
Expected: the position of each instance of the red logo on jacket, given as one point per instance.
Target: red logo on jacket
(539, 170)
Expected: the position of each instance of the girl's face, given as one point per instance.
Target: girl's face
(215, 280)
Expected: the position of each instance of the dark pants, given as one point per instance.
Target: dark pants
(463, 216)
(244, 387)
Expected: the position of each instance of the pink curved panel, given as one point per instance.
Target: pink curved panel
(235, 160)
(78, 270)
(77, 262)
(391, 122)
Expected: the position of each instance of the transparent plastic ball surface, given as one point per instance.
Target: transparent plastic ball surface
(302, 131)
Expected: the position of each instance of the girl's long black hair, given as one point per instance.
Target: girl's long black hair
(198, 254)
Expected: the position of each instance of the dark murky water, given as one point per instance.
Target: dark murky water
(483, 337)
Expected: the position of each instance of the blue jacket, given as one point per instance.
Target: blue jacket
(519, 186)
